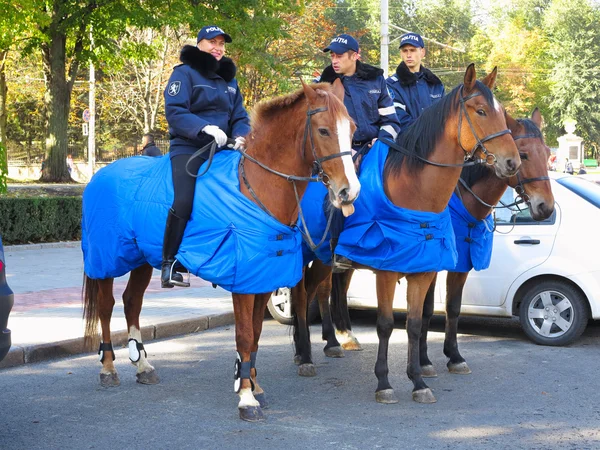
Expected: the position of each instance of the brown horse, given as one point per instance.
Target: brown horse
(421, 177)
(480, 190)
(299, 134)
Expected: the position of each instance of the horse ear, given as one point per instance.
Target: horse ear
(310, 93)
(536, 117)
(338, 89)
(490, 79)
(511, 123)
(470, 79)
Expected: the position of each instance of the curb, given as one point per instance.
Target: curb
(41, 246)
(18, 356)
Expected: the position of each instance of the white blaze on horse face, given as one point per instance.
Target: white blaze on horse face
(344, 141)
(247, 398)
(498, 106)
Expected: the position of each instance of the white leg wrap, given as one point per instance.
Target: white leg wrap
(138, 358)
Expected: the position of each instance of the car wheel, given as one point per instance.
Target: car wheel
(280, 306)
(553, 313)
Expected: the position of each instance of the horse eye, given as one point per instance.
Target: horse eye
(481, 112)
(323, 132)
(524, 156)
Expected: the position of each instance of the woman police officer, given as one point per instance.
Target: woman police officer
(202, 103)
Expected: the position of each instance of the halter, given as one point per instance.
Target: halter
(520, 188)
(490, 158)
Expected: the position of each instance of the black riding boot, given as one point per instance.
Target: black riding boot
(173, 236)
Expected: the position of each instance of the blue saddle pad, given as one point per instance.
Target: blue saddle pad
(384, 236)
(228, 241)
(474, 238)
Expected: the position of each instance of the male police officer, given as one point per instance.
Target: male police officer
(368, 103)
(413, 87)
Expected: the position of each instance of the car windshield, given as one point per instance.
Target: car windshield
(584, 188)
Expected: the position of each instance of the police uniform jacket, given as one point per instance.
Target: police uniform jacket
(203, 91)
(413, 92)
(368, 103)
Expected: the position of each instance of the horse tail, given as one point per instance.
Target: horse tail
(91, 313)
(339, 301)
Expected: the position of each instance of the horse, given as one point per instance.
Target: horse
(420, 172)
(478, 190)
(294, 139)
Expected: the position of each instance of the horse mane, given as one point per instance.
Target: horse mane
(422, 135)
(266, 110)
(531, 128)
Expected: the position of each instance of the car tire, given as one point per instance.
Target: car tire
(280, 306)
(553, 313)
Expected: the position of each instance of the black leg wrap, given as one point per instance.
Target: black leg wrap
(241, 371)
(104, 348)
(140, 347)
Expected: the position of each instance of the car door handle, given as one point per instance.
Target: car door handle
(527, 241)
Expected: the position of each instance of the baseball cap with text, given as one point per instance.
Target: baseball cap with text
(211, 31)
(413, 39)
(341, 44)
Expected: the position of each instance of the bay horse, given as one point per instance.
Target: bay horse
(421, 176)
(478, 190)
(292, 138)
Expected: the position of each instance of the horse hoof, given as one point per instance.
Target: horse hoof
(297, 360)
(307, 370)
(109, 379)
(459, 369)
(386, 396)
(423, 396)
(262, 400)
(252, 414)
(428, 372)
(334, 352)
(352, 345)
(147, 377)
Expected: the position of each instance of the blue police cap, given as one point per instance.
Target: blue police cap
(413, 39)
(211, 31)
(341, 44)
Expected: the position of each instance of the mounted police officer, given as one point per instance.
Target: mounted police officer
(368, 103)
(413, 87)
(203, 104)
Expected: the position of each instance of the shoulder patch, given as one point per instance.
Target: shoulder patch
(394, 77)
(174, 88)
(231, 90)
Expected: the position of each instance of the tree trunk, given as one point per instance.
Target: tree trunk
(57, 100)
(3, 92)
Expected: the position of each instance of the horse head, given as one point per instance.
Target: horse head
(532, 182)
(482, 126)
(328, 146)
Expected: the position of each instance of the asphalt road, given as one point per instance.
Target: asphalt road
(519, 396)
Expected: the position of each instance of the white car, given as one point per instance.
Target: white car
(546, 273)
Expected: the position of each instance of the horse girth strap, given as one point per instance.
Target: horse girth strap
(490, 157)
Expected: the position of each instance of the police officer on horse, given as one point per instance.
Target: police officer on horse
(413, 87)
(203, 104)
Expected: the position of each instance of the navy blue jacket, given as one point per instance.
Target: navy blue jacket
(413, 92)
(367, 101)
(203, 91)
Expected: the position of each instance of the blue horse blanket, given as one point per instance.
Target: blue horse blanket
(384, 236)
(228, 241)
(314, 206)
(474, 238)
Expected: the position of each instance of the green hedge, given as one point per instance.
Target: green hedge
(31, 220)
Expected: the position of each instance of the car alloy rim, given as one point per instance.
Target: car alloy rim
(550, 314)
(282, 301)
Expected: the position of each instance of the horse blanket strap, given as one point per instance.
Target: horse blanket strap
(384, 236)
(241, 371)
(474, 238)
(228, 241)
(316, 210)
(135, 349)
(105, 348)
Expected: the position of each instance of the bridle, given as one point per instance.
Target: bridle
(520, 188)
(490, 158)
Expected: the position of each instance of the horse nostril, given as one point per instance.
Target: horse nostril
(343, 194)
(511, 164)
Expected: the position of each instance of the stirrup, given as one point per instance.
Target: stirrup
(340, 264)
(176, 282)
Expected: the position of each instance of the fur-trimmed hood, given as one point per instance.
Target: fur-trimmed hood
(406, 77)
(207, 64)
(364, 71)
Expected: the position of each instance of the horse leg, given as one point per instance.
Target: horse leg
(455, 283)
(427, 370)
(303, 356)
(339, 310)
(260, 304)
(386, 287)
(243, 311)
(106, 302)
(418, 285)
(133, 296)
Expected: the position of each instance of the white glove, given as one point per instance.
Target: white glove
(240, 143)
(217, 133)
